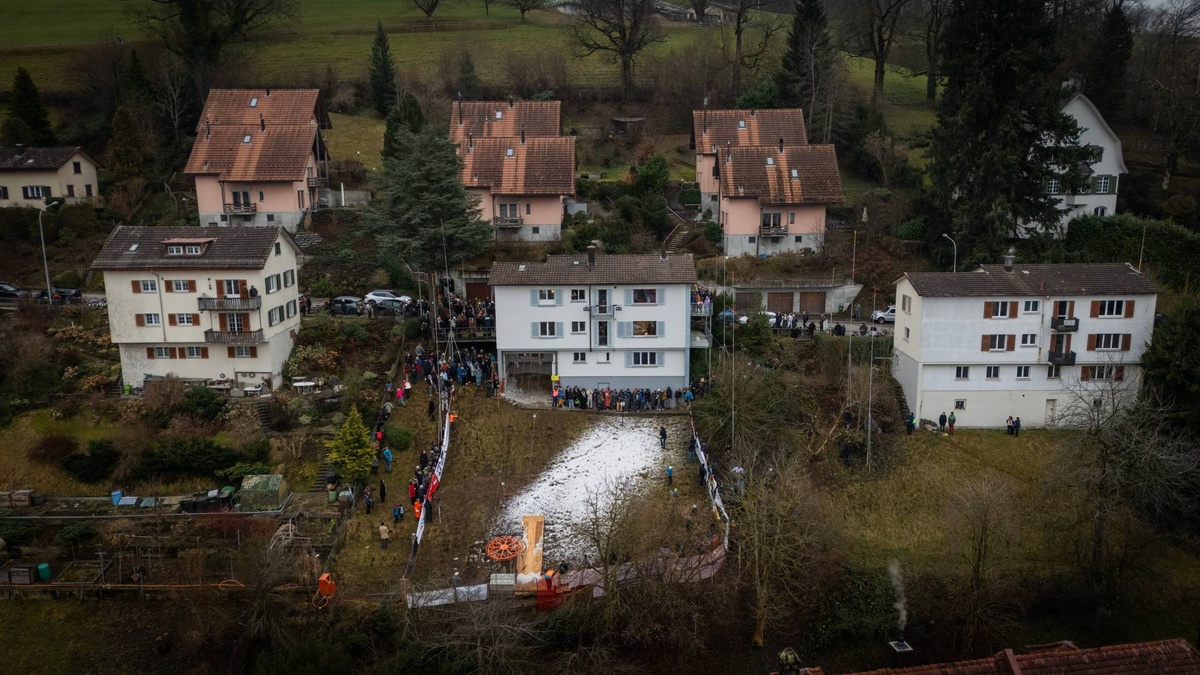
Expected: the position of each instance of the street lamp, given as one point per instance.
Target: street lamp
(955, 244)
(45, 262)
(871, 397)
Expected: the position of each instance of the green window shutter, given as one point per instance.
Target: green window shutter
(624, 329)
(628, 359)
(659, 359)
(533, 297)
(661, 329)
(558, 329)
(533, 329)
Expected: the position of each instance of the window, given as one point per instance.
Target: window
(271, 284)
(195, 352)
(35, 192)
(162, 352)
(278, 248)
(87, 191)
(546, 296)
(999, 309)
(77, 167)
(271, 219)
(70, 190)
(153, 319)
(535, 230)
(1031, 306)
(289, 278)
(291, 308)
(183, 319)
(174, 250)
(1102, 184)
(645, 358)
(192, 249)
(578, 326)
(741, 124)
(4, 192)
(1112, 307)
(1100, 211)
(241, 352)
(246, 139)
(906, 304)
(1022, 372)
(1029, 339)
(795, 173)
(528, 208)
(997, 343)
(906, 333)
(1108, 341)
(645, 328)
(254, 102)
(1054, 372)
(508, 152)
(578, 295)
(770, 161)
(645, 296)
(962, 372)
(1052, 186)
(546, 329)
(751, 239)
(234, 322)
(149, 286)
(960, 404)
(261, 196)
(993, 372)
(274, 316)
(580, 357)
(232, 287)
(799, 239)
(1101, 373)
(772, 221)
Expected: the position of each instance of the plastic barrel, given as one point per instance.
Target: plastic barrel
(116, 497)
(43, 572)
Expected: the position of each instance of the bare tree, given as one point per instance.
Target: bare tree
(524, 6)
(486, 637)
(886, 152)
(925, 20)
(427, 6)
(621, 28)
(750, 14)
(172, 97)
(878, 23)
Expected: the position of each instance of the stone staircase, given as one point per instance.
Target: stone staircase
(318, 484)
(262, 409)
(683, 228)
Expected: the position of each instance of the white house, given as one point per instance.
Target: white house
(1101, 196)
(207, 303)
(609, 321)
(1022, 340)
(30, 175)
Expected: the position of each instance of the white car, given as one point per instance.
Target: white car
(884, 315)
(377, 295)
(771, 318)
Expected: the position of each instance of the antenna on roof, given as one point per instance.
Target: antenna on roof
(268, 92)
(460, 108)
(522, 134)
(728, 152)
(706, 114)
(781, 145)
(262, 122)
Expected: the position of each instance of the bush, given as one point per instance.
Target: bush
(53, 449)
(689, 197)
(240, 470)
(712, 232)
(17, 534)
(74, 534)
(203, 403)
(68, 279)
(186, 457)
(95, 465)
(397, 437)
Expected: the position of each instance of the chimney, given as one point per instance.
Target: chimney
(728, 152)
(460, 108)
(20, 149)
(268, 92)
(663, 254)
(781, 146)
(705, 114)
(470, 142)
(510, 102)
(752, 112)
(591, 249)
(522, 134)
(207, 129)
(1008, 260)
(262, 122)
(902, 653)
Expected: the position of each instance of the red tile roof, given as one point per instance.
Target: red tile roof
(540, 166)
(802, 174)
(501, 119)
(1164, 657)
(726, 128)
(248, 135)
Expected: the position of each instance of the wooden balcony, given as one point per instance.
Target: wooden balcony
(229, 304)
(1062, 358)
(1061, 325)
(318, 181)
(769, 231)
(241, 209)
(218, 337)
(508, 221)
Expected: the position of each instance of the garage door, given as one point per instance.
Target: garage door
(478, 290)
(779, 302)
(744, 302)
(813, 303)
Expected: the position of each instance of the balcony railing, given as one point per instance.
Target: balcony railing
(772, 231)
(508, 221)
(229, 304)
(241, 209)
(701, 309)
(1062, 358)
(220, 337)
(600, 310)
(318, 181)
(1059, 324)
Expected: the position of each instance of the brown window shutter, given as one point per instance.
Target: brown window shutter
(1067, 347)
(204, 352)
(220, 288)
(191, 285)
(245, 322)
(1085, 373)
(170, 319)
(1091, 342)
(174, 353)
(139, 319)
(985, 343)
(224, 321)
(168, 286)
(1126, 342)
(987, 310)
(1128, 309)
(150, 353)
(254, 352)
(1071, 309)
(232, 353)
(1010, 343)
(195, 319)
(137, 286)
(1012, 309)
(1119, 373)
(1095, 308)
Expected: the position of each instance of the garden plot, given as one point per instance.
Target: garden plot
(615, 451)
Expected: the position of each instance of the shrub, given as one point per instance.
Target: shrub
(203, 403)
(94, 465)
(53, 449)
(712, 232)
(67, 279)
(186, 456)
(689, 197)
(242, 469)
(75, 534)
(397, 437)
(17, 534)
(161, 399)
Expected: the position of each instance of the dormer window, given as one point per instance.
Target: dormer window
(795, 173)
(174, 250)
(254, 102)
(509, 152)
(191, 249)
(741, 124)
(499, 114)
(770, 161)
(246, 139)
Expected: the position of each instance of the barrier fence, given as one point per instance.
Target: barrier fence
(710, 481)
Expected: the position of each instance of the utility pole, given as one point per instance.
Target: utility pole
(871, 399)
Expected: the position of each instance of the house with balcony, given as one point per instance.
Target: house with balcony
(596, 321)
(773, 198)
(28, 176)
(1028, 341)
(523, 183)
(714, 131)
(203, 304)
(504, 119)
(1103, 174)
(259, 157)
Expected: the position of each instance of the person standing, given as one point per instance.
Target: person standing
(397, 513)
(670, 475)
(382, 491)
(662, 436)
(910, 423)
(942, 422)
(952, 420)
(1017, 427)
(1008, 425)
(368, 500)
(387, 463)
(383, 535)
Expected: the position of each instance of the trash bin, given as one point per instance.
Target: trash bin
(116, 497)
(332, 496)
(43, 572)
(129, 390)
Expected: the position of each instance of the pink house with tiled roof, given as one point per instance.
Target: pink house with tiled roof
(522, 183)
(715, 130)
(259, 158)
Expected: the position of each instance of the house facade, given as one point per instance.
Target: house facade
(202, 303)
(259, 158)
(522, 184)
(1028, 341)
(1100, 198)
(714, 131)
(30, 175)
(608, 321)
(773, 199)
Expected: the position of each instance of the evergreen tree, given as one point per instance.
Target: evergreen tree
(1001, 135)
(351, 450)
(135, 85)
(468, 81)
(397, 136)
(425, 215)
(806, 76)
(1104, 82)
(382, 73)
(130, 150)
(26, 105)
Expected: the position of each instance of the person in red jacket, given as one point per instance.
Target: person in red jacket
(412, 489)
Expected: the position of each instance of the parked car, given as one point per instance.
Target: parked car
(726, 317)
(771, 318)
(376, 296)
(389, 307)
(62, 296)
(884, 315)
(346, 305)
(11, 291)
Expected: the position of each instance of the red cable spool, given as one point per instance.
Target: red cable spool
(504, 548)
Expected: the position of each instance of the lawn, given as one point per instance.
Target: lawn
(356, 137)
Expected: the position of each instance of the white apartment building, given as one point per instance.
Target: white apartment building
(608, 321)
(203, 303)
(1022, 340)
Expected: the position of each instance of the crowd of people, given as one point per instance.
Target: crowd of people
(627, 400)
